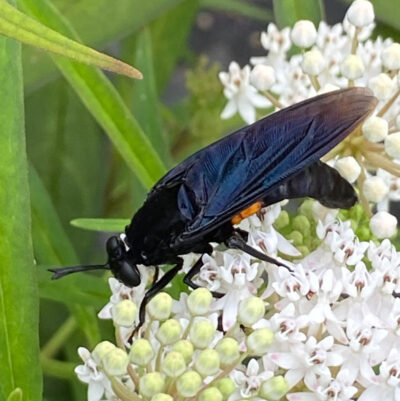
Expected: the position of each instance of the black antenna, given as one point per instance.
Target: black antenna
(63, 271)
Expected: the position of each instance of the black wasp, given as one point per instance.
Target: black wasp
(200, 200)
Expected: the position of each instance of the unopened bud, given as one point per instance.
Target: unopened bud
(207, 362)
(169, 332)
(228, 351)
(296, 237)
(101, 349)
(124, 313)
(211, 394)
(320, 212)
(375, 189)
(352, 67)
(348, 168)
(116, 362)
(262, 77)
(383, 225)
(328, 88)
(151, 384)
(251, 310)
(361, 13)
(392, 145)
(184, 347)
(202, 333)
(160, 306)
(382, 86)
(141, 352)
(258, 341)
(302, 224)
(226, 386)
(282, 220)
(303, 33)
(173, 365)
(391, 57)
(313, 62)
(274, 388)
(189, 384)
(162, 397)
(375, 129)
(199, 301)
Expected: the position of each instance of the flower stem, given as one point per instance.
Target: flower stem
(122, 392)
(133, 375)
(354, 42)
(382, 162)
(388, 104)
(273, 100)
(60, 369)
(59, 338)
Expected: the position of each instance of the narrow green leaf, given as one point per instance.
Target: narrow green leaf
(15, 395)
(145, 102)
(239, 7)
(287, 12)
(19, 312)
(106, 225)
(169, 35)
(86, 17)
(104, 102)
(17, 25)
(53, 248)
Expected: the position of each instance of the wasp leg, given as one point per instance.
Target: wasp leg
(155, 288)
(155, 277)
(188, 279)
(237, 242)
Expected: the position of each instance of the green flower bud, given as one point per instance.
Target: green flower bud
(228, 351)
(303, 249)
(188, 384)
(199, 301)
(162, 397)
(124, 313)
(258, 341)
(116, 362)
(302, 224)
(364, 233)
(101, 349)
(296, 237)
(226, 386)
(251, 310)
(151, 384)
(353, 225)
(141, 352)
(211, 394)
(160, 306)
(357, 212)
(173, 365)
(207, 362)
(306, 208)
(274, 388)
(282, 220)
(202, 333)
(169, 332)
(185, 348)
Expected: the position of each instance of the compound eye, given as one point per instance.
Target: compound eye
(115, 247)
(129, 274)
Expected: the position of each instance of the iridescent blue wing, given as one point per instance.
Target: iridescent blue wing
(226, 177)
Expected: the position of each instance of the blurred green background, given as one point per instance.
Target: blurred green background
(75, 171)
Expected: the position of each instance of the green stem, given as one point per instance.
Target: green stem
(59, 338)
(62, 370)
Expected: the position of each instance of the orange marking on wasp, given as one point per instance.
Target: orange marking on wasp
(253, 209)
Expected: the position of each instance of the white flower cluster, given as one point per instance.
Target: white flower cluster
(332, 58)
(329, 330)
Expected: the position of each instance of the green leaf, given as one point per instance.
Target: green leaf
(240, 7)
(104, 102)
(86, 17)
(145, 102)
(170, 33)
(18, 26)
(106, 225)
(19, 312)
(287, 12)
(76, 187)
(53, 248)
(15, 395)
